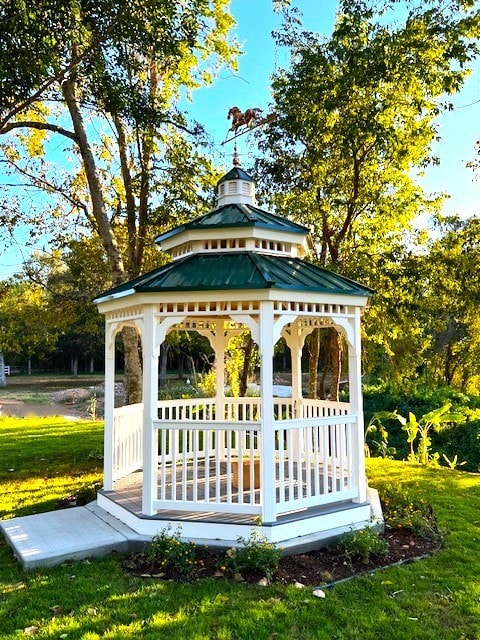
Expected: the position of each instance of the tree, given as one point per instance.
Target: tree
(125, 63)
(28, 327)
(452, 298)
(355, 118)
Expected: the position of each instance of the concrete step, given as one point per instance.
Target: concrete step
(48, 539)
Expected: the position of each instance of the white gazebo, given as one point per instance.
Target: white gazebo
(218, 467)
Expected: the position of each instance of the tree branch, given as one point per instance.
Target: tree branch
(34, 124)
(42, 183)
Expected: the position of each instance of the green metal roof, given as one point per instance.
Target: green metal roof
(236, 173)
(237, 215)
(240, 270)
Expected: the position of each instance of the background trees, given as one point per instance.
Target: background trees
(89, 117)
(107, 78)
(355, 120)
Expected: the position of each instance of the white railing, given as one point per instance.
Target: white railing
(210, 464)
(127, 440)
(314, 462)
(198, 466)
(187, 409)
(240, 409)
(6, 369)
(309, 408)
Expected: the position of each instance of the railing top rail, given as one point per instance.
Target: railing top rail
(299, 423)
(314, 402)
(200, 425)
(186, 402)
(128, 408)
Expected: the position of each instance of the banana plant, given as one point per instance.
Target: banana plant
(435, 420)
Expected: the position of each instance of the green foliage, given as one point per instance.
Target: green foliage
(360, 544)
(461, 439)
(173, 556)
(28, 323)
(355, 123)
(402, 511)
(376, 435)
(207, 384)
(433, 420)
(177, 390)
(256, 554)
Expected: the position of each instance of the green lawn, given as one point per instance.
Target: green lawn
(43, 460)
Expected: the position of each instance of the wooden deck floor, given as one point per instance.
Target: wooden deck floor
(127, 493)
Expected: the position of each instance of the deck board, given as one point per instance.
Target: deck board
(127, 493)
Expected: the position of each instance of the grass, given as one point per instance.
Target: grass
(91, 600)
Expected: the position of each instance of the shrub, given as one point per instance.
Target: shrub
(401, 511)
(174, 557)
(256, 555)
(361, 545)
(177, 390)
(207, 384)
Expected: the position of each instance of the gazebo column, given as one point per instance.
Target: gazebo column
(109, 407)
(218, 341)
(356, 404)
(150, 400)
(266, 344)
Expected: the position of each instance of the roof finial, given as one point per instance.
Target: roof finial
(236, 157)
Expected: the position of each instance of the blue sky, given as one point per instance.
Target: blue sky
(459, 128)
(249, 87)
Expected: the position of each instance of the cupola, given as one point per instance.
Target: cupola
(237, 224)
(236, 187)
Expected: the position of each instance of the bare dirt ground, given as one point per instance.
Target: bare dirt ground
(51, 395)
(323, 567)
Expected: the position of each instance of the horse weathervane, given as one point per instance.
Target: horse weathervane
(243, 121)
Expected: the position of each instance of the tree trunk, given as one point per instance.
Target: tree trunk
(29, 366)
(100, 218)
(162, 378)
(92, 364)
(3, 378)
(74, 366)
(101, 225)
(313, 355)
(133, 366)
(336, 351)
(248, 351)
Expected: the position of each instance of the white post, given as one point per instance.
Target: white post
(150, 402)
(356, 407)
(218, 342)
(109, 433)
(267, 424)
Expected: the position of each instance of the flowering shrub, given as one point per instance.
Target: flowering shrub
(175, 558)
(401, 511)
(360, 545)
(256, 555)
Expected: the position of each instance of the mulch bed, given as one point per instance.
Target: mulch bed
(314, 568)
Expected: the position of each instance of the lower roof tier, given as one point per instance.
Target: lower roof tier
(239, 270)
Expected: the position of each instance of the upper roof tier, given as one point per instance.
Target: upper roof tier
(237, 224)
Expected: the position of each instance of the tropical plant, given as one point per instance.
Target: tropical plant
(433, 420)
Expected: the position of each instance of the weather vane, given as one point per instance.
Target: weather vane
(244, 121)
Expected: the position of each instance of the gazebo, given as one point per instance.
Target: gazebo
(221, 466)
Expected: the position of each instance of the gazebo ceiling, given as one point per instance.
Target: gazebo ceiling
(240, 270)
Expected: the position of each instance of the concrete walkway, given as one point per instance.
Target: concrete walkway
(47, 539)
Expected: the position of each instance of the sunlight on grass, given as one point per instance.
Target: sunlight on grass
(91, 600)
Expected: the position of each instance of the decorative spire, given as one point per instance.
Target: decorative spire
(236, 157)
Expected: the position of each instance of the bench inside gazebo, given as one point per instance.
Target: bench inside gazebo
(222, 466)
